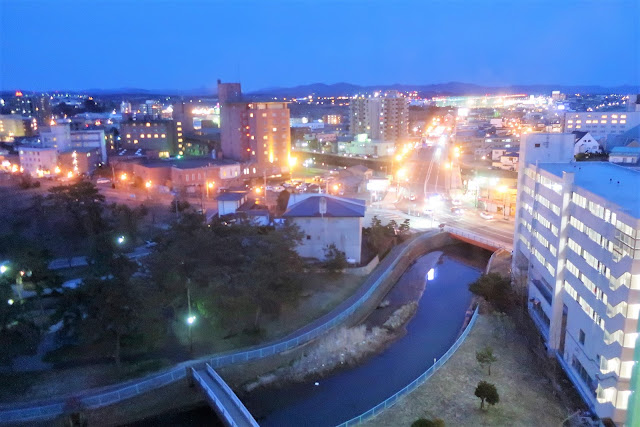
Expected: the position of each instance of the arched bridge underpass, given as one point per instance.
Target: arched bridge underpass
(476, 239)
(223, 400)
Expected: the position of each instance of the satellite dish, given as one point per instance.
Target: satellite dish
(323, 205)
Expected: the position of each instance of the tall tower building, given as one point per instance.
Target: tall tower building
(384, 118)
(254, 132)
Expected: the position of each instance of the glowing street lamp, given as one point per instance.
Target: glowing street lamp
(147, 184)
(123, 176)
(3, 269)
(120, 240)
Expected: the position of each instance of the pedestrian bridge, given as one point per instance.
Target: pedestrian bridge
(476, 239)
(223, 400)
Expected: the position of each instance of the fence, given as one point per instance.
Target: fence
(415, 383)
(114, 394)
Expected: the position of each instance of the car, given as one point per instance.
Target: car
(456, 202)
(486, 215)
(103, 181)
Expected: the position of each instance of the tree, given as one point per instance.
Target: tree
(334, 258)
(105, 309)
(404, 228)
(424, 422)
(487, 391)
(495, 289)
(486, 357)
(283, 200)
(83, 202)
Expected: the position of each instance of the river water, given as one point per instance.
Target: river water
(438, 321)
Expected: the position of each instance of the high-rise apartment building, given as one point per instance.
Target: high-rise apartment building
(384, 118)
(255, 133)
(577, 247)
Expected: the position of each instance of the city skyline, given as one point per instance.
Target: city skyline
(162, 46)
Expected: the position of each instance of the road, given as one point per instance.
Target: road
(429, 171)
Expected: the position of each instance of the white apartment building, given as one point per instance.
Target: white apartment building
(577, 246)
(56, 136)
(37, 161)
(601, 125)
(384, 118)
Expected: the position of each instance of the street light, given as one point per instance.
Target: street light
(123, 176)
(147, 184)
(210, 186)
(3, 269)
(120, 240)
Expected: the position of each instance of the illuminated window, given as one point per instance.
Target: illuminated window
(265, 137)
(604, 116)
(614, 116)
(179, 123)
(164, 135)
(155, 135)
(588, 121)
(135, 141)
(179, 139)
(253, 153)
(614, 121)
(250, 114)
(578, 126)
(623, 121)
(623, 116)
(148, 124)
(253, 137)
(264, 114)
(179, 133)
(275, 129)
(148, 135)
(142, 135)
(570, 126)
(569, 121)
(128, 135)
(578, 121)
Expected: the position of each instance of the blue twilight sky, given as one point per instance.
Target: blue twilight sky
(188, 44)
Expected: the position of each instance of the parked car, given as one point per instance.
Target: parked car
(103, 181)
(486, 215)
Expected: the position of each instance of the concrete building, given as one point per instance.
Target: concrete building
(230, 201)
(12, 125)
(206, 175)
(80, 161)
(601, 125)
(325, 220)
(362, 145)
(576, 248)
(90, 138)
(625, 155)
(633, 103)
(38, 161)
(384, 118)
(159, 138)
(56, 136)
(255, 133)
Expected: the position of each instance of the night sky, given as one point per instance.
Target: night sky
(186, 44)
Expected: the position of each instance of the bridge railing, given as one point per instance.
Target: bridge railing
(248, 418)
(478, 238)
(417, 382)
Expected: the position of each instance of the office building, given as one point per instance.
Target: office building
(159, 138)
(13, 125)
(56, 136)
(577, 248)
(125, 107)
(384, 118)
(633, 103)
(255, 133)
(602, 125)
(90, 138)
(80, 161)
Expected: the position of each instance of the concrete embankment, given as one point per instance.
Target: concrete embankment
(178, 394)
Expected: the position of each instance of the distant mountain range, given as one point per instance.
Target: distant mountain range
(337, 89)
(451, 88)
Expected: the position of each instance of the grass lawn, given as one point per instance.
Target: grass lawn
(526, 396)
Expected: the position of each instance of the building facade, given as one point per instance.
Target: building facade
(326, 220)
(577, 248)
(91, 138)
(384, 118)
(159, 138)
(601, 125)
(255, 133)
(38, 161)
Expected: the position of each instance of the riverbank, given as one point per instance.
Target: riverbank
(526, 397)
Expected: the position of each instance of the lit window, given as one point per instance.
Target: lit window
(142, 135)
(135, 141)
(623, 121)
(275, 129)
(179, 133)
(128, 135)
(604, 116)
(614, 116)
(148, 124)
(179, 139)
(250, 114)
(570, 126)
(148, 135)
(578, 121)
(155, 135)
(179, 123)
(603, 121)
(569, 121)
(164, 135)
(265, 137)
(623, 116)
(614, 121)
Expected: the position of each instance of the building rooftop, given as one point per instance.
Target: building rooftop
(186, 163)
(337, 207)
(630, 150)
(231, 196)
(618, 184)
